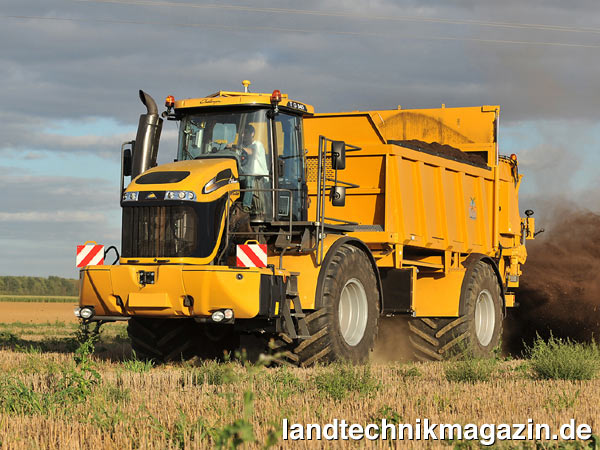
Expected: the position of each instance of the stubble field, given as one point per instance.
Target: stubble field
(54, 395)
(36, 312)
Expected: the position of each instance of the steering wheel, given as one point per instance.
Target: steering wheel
(243, 154)
(216, 147)
(240, 152)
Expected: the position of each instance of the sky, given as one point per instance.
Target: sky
(71, 71)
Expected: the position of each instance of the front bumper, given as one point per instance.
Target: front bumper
(179, 291)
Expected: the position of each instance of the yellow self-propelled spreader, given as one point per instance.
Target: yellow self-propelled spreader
(303, 229)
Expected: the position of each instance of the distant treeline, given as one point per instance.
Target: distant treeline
(38, 286)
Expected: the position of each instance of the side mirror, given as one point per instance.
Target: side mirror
(127, 162)
(338, 195)
(338, 155)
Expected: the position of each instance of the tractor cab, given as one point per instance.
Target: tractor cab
(267, 148)
(239, 175)
(263, 134)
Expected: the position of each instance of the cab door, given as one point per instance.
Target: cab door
(290, 167)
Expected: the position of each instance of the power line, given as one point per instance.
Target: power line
(535, 26)
(298, 30)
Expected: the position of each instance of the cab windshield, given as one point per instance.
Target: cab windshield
(221, 134)
(246, 135)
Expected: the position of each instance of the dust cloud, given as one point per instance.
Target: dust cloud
(559, 293)
(392, 342)
(560, 285)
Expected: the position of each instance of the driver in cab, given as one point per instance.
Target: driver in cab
(257, 157)
(254, 163)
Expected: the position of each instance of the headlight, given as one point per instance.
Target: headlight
(222, 314)
(218, 316)
(180, 195)
(86, 312)
(223, 178)
(130, 196)
(211, 186)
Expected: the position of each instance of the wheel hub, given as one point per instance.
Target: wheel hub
(485, 317)
(353, 311)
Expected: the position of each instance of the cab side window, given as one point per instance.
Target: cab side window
(290, 157)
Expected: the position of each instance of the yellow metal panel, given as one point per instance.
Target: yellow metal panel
(212, 287)
(472, 127)
(509, 218)
(510, 300)
(419, 186)
(365, 204)
(305, 265)
(355, 129)
(429, 201)
(375, 236)
(455, 230)
(452, 126)
(394, 207)
(438, 295)
(442, 208)
(434, 225)
(461, 212)
(223, 98)
(96, 289)
(408, 196)
(422, 238)
(142, 300)
(201, 172)
(473, 213)
(219, 289)
(488, 196)
(167, 283)
(441, 215)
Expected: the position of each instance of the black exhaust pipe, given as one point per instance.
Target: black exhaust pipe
(145, 149)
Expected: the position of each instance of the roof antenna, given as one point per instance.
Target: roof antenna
(246, 83)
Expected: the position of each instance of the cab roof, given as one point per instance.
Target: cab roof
(227, 98)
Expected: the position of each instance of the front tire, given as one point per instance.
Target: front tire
(475, 333)
(345, 326)
(164, 340)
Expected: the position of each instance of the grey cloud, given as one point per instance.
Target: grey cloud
(37, 137)
(43, 218)
(96, 68)
(24, 193)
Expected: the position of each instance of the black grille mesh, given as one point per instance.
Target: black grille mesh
(159, 231)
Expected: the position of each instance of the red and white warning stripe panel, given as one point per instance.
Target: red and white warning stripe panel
(251, 255)
(90, 254)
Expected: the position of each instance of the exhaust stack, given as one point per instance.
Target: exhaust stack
(148, 135)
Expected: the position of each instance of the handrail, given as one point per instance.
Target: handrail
(322, 190)
(228, 204)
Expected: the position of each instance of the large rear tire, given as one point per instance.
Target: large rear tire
(476, 333)
(164, 340)
(345, 326)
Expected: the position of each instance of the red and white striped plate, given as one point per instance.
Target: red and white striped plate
(251, 255)
(90, 254)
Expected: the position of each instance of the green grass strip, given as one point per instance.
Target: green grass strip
(38, 299)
